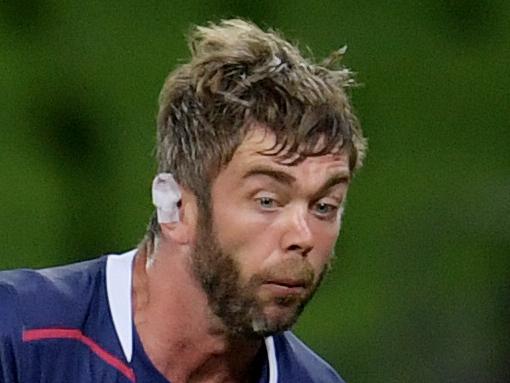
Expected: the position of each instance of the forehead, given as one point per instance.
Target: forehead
(259, 143)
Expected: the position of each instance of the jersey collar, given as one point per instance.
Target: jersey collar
(119, 271)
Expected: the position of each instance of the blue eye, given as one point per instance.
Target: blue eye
(266, 202)
(325, 209)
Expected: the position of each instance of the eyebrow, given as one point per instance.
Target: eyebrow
(277, 175)
(341, 178)
(287, 179)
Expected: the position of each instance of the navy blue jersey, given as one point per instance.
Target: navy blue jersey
(74, 324)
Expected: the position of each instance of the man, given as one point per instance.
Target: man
(256, 149)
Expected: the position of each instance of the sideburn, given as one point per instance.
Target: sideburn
(219, 277)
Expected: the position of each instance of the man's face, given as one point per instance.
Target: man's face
(267, 240)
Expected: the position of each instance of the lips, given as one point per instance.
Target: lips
(290, 277)
(285, 288)
(290, 283)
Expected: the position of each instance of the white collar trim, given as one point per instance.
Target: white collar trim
(119, 272)
(271, 357)
(118, 288)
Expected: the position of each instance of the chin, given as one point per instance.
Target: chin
(276, 319)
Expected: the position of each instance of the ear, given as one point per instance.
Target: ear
(183, 231)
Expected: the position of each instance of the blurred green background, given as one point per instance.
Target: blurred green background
(420, 290)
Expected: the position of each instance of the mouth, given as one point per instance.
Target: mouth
(286, 286)
(286, 282)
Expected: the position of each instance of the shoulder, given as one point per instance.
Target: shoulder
(48, 297)
(9, 313)
(10, 335)
(303, 364)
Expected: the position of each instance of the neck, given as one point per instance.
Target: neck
(184, 340)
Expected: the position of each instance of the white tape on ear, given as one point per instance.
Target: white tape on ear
(166, 196)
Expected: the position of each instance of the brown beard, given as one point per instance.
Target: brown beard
(236, 303)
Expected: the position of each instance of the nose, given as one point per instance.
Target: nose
(298, 236)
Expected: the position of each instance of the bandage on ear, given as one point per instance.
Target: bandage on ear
(166, 197)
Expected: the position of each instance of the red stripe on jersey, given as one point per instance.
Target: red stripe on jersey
(62, 333)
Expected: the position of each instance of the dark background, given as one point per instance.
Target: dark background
(420, 289)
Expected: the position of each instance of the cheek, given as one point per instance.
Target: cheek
(325, 237)
(248, 237)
